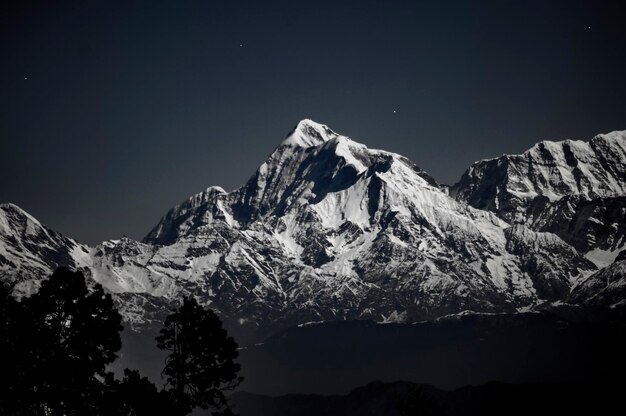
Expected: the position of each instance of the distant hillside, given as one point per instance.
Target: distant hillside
(380, 399)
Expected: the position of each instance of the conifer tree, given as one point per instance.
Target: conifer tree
(201, 363)
(67, 336)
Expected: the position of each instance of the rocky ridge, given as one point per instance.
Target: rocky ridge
(328, 229)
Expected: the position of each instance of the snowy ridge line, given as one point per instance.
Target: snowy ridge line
(327, 229)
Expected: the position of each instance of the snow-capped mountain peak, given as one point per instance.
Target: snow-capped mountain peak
(308, 133)
(29, 250)
(327, 228)
(338, 220)
(575, 189)
(294, 176)
(549, 169)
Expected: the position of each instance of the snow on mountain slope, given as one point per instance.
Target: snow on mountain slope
(551, 169)
(605, 287)
(328, 229)
(574, 189)
(30, 251)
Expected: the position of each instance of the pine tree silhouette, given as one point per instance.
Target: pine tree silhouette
(9, 366)
(56, 344)
(201, 363)
(134, 395)
(61, 340)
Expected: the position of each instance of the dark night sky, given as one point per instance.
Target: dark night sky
(114, 111)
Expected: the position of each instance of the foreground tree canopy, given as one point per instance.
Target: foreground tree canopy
(58, 343)
(201, 362)
(55, 346)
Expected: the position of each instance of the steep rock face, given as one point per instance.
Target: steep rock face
(605, 287)
(327, 229)
(574, 189)
(595, 226)
(551, 169)
(552, 264)
(30, 251)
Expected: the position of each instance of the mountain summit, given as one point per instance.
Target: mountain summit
(574, 189)
(328, 229)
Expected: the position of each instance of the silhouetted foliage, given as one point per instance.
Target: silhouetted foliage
(57, 343)
(55, 346)
(134, 395)
(201, 363)
(418, 403)
(9, 367)
(7, 314)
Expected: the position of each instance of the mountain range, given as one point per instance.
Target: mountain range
(327, 229)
